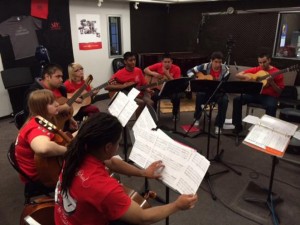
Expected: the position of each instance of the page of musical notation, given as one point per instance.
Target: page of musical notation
(184, 167)
(145, 121)
(263, 137)
(118, 104)
(123, 107)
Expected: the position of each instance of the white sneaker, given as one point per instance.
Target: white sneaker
(197, 123)
(217, 130)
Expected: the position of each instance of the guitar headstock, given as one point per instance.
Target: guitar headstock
(89, 79)
(45, 123)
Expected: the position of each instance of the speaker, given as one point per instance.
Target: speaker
(16, 77)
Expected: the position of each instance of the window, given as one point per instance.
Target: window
(287, 42)
(115, 40)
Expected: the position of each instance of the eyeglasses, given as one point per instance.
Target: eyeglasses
(78, 70)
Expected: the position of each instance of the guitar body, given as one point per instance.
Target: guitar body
(76, 106)
(48, 169)
(151, 80)
(41, 210)
(63, 117)
(202, 76)
(260, 76)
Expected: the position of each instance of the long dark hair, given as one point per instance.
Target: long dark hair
(98, 130)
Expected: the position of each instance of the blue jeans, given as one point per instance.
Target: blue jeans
(269, 103)
(220, 99)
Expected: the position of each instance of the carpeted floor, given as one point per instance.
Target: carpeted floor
(230, 188)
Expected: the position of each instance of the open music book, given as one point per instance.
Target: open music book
(184, 168)
(269, 134)
(123, 106)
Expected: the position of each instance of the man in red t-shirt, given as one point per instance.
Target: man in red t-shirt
(127, 77)
(164, 70)
(269, 95)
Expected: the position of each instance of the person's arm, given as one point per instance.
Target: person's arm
(137, 215)
(152, 73)
(271, 82)
(191, 72)
(42, 145)
(243, 76)
(122, 167)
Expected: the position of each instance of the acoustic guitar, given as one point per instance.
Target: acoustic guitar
(262, 76)
(140, 88)
(48, 168)
(87, 96)
(61, 118)
(202, 76)
(151, 79)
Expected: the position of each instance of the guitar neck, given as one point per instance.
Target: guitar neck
(80, 90)
(76, 95)
(91, 92)
(142, 88)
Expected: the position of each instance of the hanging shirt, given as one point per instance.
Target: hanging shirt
(21, 30)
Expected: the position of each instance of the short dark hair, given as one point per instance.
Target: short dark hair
(127, 55)
(51, 69)
(216, 55)
(166, 55)
(261, 55)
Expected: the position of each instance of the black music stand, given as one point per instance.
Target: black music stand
(270, 202)
(242, 87)
(174, 87)
(211, 87)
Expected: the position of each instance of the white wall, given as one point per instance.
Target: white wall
(6, 107)
(97, 62)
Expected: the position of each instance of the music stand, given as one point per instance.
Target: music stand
(210, 87)
(242, 87)
(270, 201)
(174, 87)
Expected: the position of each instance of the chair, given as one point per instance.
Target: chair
(117, 64)
(289, 98)
(19, 119)
(32, 188)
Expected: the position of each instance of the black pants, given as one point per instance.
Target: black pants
(175, 99)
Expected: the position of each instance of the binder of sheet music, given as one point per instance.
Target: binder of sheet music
(184, 168)
(123, 106)
(269, 134)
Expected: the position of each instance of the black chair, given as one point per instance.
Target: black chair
(32, 188)
(117, 64)
(19, 119)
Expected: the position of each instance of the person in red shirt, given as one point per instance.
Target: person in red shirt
(127, 77)
(87, 194)
(164, 70)
(33, 139)
(269, 95)
(76, 81)
(52, 79)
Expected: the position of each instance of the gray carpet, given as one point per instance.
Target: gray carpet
(230, 188)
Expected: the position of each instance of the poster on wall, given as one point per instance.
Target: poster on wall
(89, 33)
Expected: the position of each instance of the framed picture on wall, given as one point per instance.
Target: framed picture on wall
(89, 33)
(287, 39)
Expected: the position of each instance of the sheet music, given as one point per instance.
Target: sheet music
(127, 112)
(123, 108)
(184, 166)
(269, 134)
(145, 121)
(118, 104)
(133, 93)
